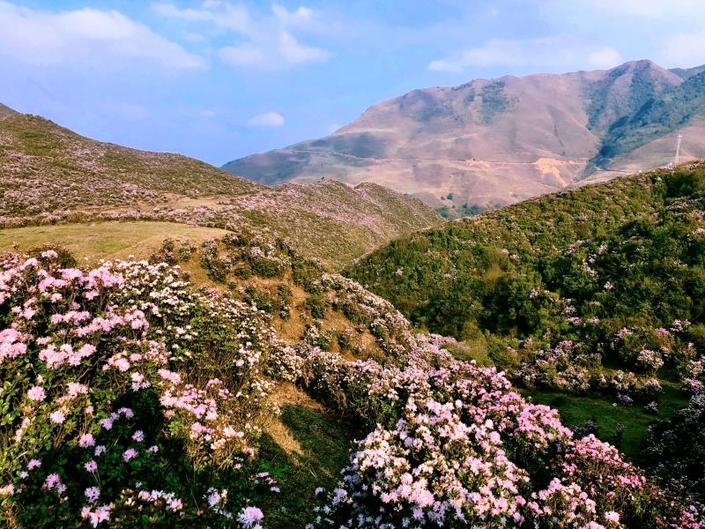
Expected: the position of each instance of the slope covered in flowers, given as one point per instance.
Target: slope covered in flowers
(599, 290)
(131, 399)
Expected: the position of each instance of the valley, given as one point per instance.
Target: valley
(184, 348)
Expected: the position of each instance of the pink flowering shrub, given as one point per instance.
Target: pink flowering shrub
(112, 412)
(454, 446)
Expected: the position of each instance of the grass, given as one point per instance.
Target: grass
(105, 240)
(322, 444)
(577, 409)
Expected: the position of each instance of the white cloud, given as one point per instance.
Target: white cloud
(553, 53)
(603, 58)
(267, 119)
(264, 41)
(300, 17)
(85, 36)
(685, 50)
(283, 51)
(646, 8)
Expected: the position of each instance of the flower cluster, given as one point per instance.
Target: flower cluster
(114, 393)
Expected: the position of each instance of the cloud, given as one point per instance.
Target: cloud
(302, 16)
(646, 8)
(86, 36)
(685, 50)
(283, 51)
(267, 119)
(267, 41)
(554, 53)
(603, 58)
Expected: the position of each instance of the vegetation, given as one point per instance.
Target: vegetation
(131, 399)
(51, 175)
(595, 292)
(654, 116)
(105, 240)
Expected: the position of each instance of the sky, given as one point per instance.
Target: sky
(218, 80)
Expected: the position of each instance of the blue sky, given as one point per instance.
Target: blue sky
(219, 79)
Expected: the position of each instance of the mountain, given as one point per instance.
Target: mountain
(50, 174)
(498, 141)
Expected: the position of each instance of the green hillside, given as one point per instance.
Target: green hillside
(598, 292)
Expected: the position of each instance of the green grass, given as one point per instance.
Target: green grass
(577, 409)
(325, 443)
(105, 240)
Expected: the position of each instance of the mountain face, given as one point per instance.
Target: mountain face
(493, 142)
(49, 174)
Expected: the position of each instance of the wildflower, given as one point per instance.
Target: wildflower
(91, 466)
(7, 490)
(57, 417)
(101, 514)
(86, 440)
(36, 393)
(250, 516)
(92, 494)
(129, 454)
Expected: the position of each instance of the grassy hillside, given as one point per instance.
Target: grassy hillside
(49, 175)
(46, 168)
(595, 292)
(223, 384)
(105, 240)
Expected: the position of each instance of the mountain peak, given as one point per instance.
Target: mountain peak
(489, 142)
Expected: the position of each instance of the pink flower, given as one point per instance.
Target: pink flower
(91, 466)
(7, 490)
(101, 514)
(129, 454)
(138, 436)
(33, 463)
(57, 417)
(36, 393)
(92, 494)
(86, 440)
(250, 516)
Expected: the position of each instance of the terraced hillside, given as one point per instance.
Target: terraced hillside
(49, 174)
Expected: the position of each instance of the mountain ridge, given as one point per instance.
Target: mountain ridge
(50, 174)
(490, 142)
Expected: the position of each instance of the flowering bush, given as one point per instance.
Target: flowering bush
(111, 410)
(129, 400)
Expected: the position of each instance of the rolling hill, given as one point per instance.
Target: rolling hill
(493, 142)
(587, 298)
(49, 174)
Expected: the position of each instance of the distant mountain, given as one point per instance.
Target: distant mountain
(49, 174)
(498, 141)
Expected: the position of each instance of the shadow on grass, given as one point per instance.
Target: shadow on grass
(325, 443)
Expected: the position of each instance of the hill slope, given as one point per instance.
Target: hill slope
(597, 291)
(50, 174)
(133, 399)
(499, 141)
